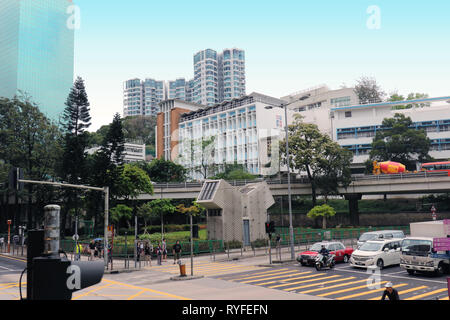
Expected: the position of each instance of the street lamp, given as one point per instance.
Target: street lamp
(291, 228)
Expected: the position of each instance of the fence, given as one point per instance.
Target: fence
(304, 236)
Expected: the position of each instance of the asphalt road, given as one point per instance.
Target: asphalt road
(346, 283)
(9, 265)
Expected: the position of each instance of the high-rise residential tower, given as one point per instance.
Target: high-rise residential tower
(142, 97)
(206, 77)
(231, 74)
(37, 52)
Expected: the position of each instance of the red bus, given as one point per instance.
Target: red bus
(437, 167)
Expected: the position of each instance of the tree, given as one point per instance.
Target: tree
(206, 156)
(316, 154)
(147, 213)
(162, 207)
(234, 172)
(160, 170)
(324, 211)
(400, 142)
(122, 212)
(114, 143)
(368, 91)
(133, 181)
(412, 96)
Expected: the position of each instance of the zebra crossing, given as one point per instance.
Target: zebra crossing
(340, 285)
(209, 269)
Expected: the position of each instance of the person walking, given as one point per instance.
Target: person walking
(176, 252)
(164, 250)
(91, 250)
(159, 253)
(390, 292)
(78, 251)
(279, 246)
(148, 254)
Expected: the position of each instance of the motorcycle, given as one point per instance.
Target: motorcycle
(329, 263)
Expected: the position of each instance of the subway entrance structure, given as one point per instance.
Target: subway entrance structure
(236, 213)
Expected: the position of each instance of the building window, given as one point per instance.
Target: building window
(348, 114)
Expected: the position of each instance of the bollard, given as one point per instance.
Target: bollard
(182, 270)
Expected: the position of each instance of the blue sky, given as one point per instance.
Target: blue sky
(290, 45)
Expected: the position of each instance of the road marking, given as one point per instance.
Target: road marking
(91, 291)
(427, 294)
(289, 279)
(317, 276)
(254, 274)
(146, 289)
(369, 292)
(295, 273)
(214, 269)
(262, 276)
(7, 268)
(335, 286)
(405, 291)
(319, 284)
(397, 277)
(349, 289)
(447, 298)
(136, 295)
(11, 258)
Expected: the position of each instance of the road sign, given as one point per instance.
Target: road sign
(9, 222)
(75, 237)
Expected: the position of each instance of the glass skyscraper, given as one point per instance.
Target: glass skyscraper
(37, 52)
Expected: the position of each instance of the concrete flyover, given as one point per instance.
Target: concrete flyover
(410, 183)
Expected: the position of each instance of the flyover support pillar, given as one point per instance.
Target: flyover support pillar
(353, 207)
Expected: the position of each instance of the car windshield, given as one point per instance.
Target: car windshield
(410, 246)
(316, 247)
(368, 236)
(371, 246)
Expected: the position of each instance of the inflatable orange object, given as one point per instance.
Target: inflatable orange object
(389, 167)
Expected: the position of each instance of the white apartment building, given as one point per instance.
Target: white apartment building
(355, 126)
(133, 152)
(142, 97)
(314, 104)
(244, 132)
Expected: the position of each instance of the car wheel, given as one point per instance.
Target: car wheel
(440, 270)
(411, 272)
(346, 259)
(380, 264)
(318, 267)
(303, 264)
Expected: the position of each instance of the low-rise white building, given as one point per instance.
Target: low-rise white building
(133, 152)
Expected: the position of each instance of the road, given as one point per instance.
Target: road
(244, 280)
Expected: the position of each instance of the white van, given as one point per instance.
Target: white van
(376, 235)
(380, 253)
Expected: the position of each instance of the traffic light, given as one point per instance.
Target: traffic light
(270, 227)
(267, 227)
(15, 174)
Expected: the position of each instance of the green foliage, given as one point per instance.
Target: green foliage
(160, 170)
(133, 181)
(121, 212)
(368, 91)
(195, 210)
(324, 211)
(234, 172)
(412, 96)
(401, 143)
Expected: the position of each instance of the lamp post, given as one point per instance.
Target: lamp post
(291, 228)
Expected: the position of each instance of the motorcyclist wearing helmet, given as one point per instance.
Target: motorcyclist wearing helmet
(325, 253)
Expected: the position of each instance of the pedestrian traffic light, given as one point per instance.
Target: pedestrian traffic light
(270, 227)
(267, 227)
(15, 174)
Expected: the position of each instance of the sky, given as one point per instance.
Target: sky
(290, 45)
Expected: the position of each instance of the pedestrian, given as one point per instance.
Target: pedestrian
(148, 254)
(96, 250)
(176, 252)
(278, 246)
(78, 251)
(91, 250)
(164, 250)
(159, 253)
(390, 292)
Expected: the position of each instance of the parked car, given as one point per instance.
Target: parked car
(380, 253)
(342, 254)
(382, 234)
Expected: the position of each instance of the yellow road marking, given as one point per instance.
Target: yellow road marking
(350, 289)
(259, 273)
(405, 291)
(427, 294)
(225, 272)
(146, 289)
(271, 273)
(277, 277)
(11, 286)
(136, 295)
(91, 291)
(213, 269)
(444, 298)
(12, 258)
(318, 284)
(285, 283)
(332, 287)
(369, 292)
(289, 279)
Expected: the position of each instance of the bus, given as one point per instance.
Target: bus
(437, 167)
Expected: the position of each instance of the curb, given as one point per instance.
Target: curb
(187, 278)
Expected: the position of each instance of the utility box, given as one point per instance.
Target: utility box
(236, 213)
